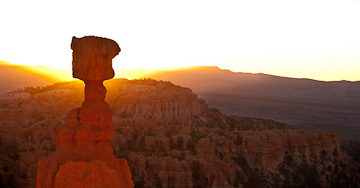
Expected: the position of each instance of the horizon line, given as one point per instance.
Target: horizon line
(174, 69)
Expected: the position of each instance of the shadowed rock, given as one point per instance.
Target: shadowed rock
(92, 58)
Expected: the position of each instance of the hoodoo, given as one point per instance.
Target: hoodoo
(84, 156)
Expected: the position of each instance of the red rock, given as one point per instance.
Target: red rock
(92, 58)
(220, 181)
(170, 172)
(157, 143)
(162, 103)
(268, 148)
(217, 172)
(84, 156)
(205, 147)
(86, 174)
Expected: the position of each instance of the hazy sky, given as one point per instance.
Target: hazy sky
(317, 39)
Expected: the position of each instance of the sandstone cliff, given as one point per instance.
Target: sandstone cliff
(161, 103)
(219, 157)
(84, 156)
(209, 150)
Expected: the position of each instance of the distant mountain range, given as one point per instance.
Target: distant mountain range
(209, 79)
(305, 103)
(13, 77)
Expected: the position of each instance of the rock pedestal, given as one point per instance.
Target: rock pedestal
(84, 156)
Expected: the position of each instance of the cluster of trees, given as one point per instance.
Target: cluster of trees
(38, 89)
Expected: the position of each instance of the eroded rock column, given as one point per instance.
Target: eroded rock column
(84, 156)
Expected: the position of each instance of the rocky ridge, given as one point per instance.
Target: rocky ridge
(203, 148)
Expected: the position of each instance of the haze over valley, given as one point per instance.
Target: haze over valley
(304, 103)
(14, 77)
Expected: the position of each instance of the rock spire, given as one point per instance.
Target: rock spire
(84, 156)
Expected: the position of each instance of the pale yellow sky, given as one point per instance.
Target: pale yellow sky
(316, 39)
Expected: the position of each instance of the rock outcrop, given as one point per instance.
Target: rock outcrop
(204, 152)
(84, 156)
(162, 103)
(268, 148)
(163, 171)
(224, 158)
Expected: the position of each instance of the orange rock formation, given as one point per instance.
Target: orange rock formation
(84, 156)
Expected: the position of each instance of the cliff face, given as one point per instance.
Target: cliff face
(268, 148)
(215, 147)
(161, 171)
(161, 103)
(302, 103)
(218, 157)
(208, 150)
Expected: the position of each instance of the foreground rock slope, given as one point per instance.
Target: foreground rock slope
(169, 146)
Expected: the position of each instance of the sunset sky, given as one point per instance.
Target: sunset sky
(318, 39)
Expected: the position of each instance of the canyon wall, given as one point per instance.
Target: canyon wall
(161, 103)
(209, 150)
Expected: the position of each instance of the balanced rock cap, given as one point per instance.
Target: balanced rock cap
(92, 58)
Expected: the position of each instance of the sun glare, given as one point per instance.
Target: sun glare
(242, 36)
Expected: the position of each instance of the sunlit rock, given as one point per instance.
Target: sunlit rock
(84, 156)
